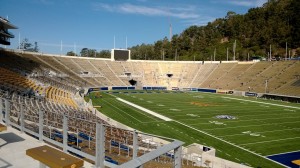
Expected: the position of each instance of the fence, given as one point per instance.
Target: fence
(98, 146)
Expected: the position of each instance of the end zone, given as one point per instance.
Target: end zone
(286, 158)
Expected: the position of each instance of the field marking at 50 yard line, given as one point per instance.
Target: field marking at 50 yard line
(154, 113)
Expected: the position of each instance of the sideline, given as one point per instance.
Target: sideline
(283, 153)
(260, 102)
(275, 140)
(145, 110)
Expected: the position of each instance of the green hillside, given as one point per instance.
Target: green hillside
(276, 23)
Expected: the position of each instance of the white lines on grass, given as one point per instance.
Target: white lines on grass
(274, 118)
(160, 105)
(275, 140)
(142, 113)
(122, 111)
(185, 115)
(264, 106)
(145, 110)
(283, 153)
(262, 102)
(172, 109)
(203, 132)
(157, 121)
(206, 123)
(267, 114)
(261, 132)
(289, 110)
(253, 125)
(234, 121)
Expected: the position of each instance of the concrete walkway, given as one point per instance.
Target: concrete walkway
(13, 146)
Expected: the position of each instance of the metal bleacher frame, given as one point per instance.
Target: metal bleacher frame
(99, 157)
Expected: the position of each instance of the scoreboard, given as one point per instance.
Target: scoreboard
(120, 54)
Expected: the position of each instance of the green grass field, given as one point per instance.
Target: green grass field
(262, 127)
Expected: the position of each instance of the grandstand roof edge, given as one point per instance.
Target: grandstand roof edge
(52, 55)
(211, 62)
(109, 59)
(7, 24)
(229, 61)
(165, 61)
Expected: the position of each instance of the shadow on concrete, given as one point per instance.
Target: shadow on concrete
(4, 163)
(10, 138)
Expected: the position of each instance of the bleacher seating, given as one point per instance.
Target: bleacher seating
(103, 72)
(54, 81)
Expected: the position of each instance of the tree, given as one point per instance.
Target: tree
(230, 14)
(104, 54)
(297, 52)
(71, 53)
(275, 23)
(84, 52)
(27, 46)
(294, 22)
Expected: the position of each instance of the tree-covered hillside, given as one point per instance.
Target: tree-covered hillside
(275, 24)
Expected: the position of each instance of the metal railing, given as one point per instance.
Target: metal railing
(17, 115)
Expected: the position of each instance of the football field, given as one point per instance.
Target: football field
(244, 130)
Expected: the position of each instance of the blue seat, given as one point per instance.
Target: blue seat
(84, 136)
(110, 160)
(124, 147)
(114, 143)
(58, 135)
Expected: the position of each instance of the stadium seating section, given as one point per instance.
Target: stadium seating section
(50, 84)
(69, 73)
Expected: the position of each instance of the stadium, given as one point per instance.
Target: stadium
(70, 111)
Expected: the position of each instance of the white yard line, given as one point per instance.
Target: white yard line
(145, 110)
(261, 102)
(252, 125)
(283, 153)
(260, 132)
(267, 114)
(270, 141)
(233, 121)
(123, 111)
(142, 113)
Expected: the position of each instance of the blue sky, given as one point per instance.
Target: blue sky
(94, 23)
